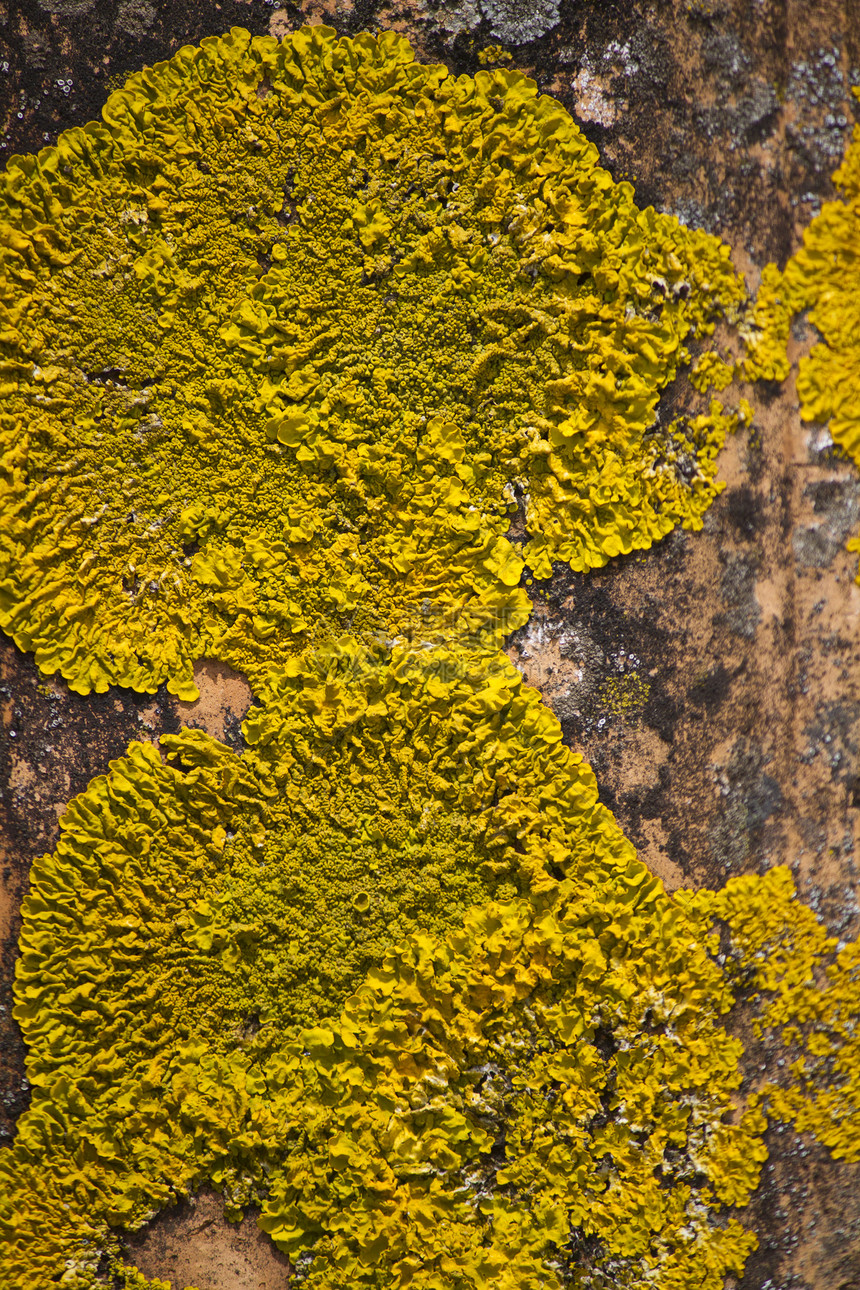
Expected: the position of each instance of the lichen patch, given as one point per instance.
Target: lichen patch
(387, 972)
(417, 295)
(820, 282)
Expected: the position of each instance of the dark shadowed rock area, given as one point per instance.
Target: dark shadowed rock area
(712, 683)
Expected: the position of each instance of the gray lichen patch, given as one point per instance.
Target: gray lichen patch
(748, 797)
(453, 17)
(519, 21)
(67, 8)
(593, 100)
(817, 89)
(833, 735)
(836, 505)
(516, 22)
(136, 16)
(738, 593)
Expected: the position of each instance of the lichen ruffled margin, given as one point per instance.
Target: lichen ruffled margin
(414, 1133)
(823, 280)
(492, 1100)
(240, 418)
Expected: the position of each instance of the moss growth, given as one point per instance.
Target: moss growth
(239, 416)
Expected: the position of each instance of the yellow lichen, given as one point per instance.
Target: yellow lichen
(711, 372)
(624, 695)
(395, 975)
(190, 949)
(285, 339)
(822, 278)
(807, 989)
(535, 1103)
(494, 54)
(286, 332)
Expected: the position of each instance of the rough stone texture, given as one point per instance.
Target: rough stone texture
(711, 682)
(192, 1245)
(744, 751)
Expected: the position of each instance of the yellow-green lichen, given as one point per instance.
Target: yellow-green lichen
(823, 278)
(544, 1100)
(188, 904)
(395, 975)
(624, 695)
(284, 335)
(189, 946)
(494, 55)
(807, 991)
(711, 372)
(285, 341)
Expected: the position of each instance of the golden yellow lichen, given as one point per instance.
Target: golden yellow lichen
(807, 989)
(823, 279)
(284, 340)
(544, 1095)
(395, 975)
(711, 372)
(286, 332)
(187, 991)
(494, 54)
